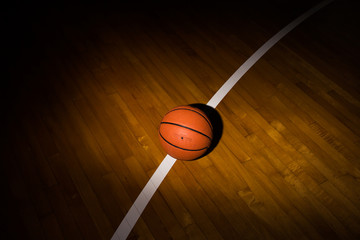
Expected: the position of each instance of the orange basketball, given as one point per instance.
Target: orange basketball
(185, 133)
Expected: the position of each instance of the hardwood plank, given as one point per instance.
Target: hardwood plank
(78, 174)
(88, 84)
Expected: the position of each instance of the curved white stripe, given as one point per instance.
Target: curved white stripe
(144, 197)
(229, 84)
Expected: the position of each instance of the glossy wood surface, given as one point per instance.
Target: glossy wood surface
(86, 87)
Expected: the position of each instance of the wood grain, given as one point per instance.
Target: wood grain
(88, 85)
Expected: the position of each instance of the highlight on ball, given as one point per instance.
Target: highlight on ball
(185, 133)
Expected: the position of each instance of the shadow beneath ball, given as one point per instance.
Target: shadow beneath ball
(216, 123)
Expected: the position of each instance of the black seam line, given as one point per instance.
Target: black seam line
(195, 112)
(179, 125)
(185, 149)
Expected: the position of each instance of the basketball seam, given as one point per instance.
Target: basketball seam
(206, 119)
(191, 129)
(185, 149)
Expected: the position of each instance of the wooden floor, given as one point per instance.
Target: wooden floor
(85, 88)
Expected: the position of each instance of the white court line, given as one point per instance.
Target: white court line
(150, 188)
(227, 86)
(124, 229)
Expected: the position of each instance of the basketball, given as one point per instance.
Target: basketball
(185, 133)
